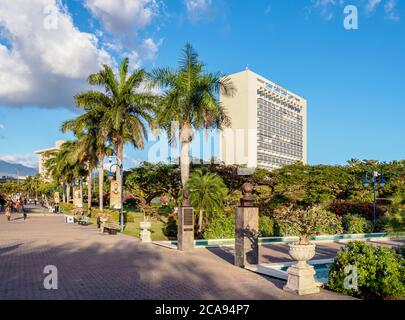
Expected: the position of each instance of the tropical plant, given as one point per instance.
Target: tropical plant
(207, 194)
(190, 102)
(126, 108)
(91, 146)
(64, 166)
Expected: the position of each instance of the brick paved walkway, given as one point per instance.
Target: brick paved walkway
(95, 266)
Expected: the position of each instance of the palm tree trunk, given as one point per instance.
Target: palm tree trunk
(89, 190)
(101, 182)
(120, 153)
(63, 192)
(200, 221)
(68, 192)
(186, 136)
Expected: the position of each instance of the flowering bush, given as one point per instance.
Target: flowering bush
(308, 222)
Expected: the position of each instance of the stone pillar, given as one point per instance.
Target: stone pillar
(247, 230)
(185, 229)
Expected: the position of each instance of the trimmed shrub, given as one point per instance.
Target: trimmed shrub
(170, 228)
(355, 224)
(221, 227)
(380, 272)
(266, 227)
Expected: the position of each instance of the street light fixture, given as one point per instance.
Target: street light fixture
(110, 176)
(367, 183)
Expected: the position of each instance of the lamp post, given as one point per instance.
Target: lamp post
(382, 183)
(110, 176)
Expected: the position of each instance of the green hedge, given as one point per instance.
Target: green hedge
(355, 224)
(223, 227)
(380, 271)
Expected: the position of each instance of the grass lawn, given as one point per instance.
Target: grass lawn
(132, 228)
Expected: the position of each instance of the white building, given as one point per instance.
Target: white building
(42, 157)
(268, 124)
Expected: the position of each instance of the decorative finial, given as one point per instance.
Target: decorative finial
(186, 198)
(247, 199)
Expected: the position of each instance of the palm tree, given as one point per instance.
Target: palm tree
(190, 102)
(126, 110)
(207, 194)
(65, 166)
(91, 146)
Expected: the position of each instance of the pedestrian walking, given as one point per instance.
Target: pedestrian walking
(9, 207)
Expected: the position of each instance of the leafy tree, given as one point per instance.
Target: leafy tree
(151, 180)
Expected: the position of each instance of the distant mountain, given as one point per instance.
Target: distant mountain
(14, 169)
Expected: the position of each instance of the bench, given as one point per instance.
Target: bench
(69, 219)
(110, 227)
(84, 221)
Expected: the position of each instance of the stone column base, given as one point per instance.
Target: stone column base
(301, 280)
(146, 236)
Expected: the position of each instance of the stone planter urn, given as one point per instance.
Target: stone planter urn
(301, 275)
(145, 233)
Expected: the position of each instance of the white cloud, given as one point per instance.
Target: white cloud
(27, 160)
(1, 126)
(199, 9)
(372, 5)
(325, 7)
(118, 16)
(48, 59)
(390, 9)
(147, 51)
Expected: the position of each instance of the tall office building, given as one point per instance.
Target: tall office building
(268, 124)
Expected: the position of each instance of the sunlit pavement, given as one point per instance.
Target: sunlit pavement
(95, 266)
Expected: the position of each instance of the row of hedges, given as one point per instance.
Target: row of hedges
(223, 226)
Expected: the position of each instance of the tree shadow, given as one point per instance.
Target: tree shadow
(7, 249)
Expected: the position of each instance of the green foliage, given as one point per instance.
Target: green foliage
(266, 226)
(355, 224)
(152, 180)
(221, 227)
(190, 97)
(207, 194)
(308, 222)
(380, 270)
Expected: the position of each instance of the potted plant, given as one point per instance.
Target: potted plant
(146, 224)
(307, 223)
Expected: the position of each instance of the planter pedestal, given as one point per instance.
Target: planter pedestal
(301, 280)
(301, 275)
(146, 236)
(145, 233)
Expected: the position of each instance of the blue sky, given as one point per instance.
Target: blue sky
(353, 79)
